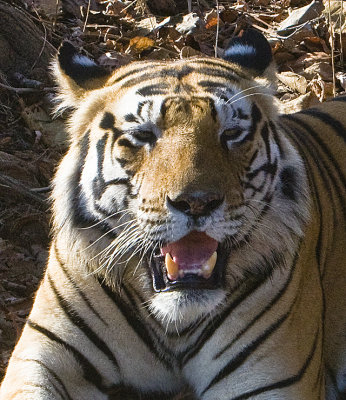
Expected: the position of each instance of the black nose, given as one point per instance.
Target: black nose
(197, 204)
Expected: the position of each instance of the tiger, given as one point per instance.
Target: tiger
(198, 238)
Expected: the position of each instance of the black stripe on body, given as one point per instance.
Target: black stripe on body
(79, 216)
(89, 371)
(268, 168)
(314, 137)
(125, 392)
(265, 138)
(285, 382)
(108, 123)
(186, 332)
(78, 321)
(118, 181)
(98, 181)
(267, 308)
(276, 138)
(318, 150)
(256, 116)
(304, 152)
(211, 328)
(239, 243)
(164, 349)
(337, 126)
(140, 106)
(75, 286)
(255, 189)
(289, 182)
(241, 115)
(116, 134)
(248, 350)
(136, 324)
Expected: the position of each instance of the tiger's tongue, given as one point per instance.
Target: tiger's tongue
(195, 253)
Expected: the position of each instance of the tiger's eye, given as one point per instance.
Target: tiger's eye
(231, 134)
(145, 136)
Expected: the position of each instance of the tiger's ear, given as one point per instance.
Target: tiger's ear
(250, 50)
(76, 74)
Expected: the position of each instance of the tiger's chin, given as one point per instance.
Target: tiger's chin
(184, 307)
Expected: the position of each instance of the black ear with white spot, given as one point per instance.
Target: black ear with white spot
(76, 74)
(78, 67)
(250, 50)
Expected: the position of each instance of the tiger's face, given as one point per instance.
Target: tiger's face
(177, 169)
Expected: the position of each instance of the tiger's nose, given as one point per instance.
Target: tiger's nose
(197, 204)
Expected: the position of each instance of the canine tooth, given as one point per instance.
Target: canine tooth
(208, 267)
(172, 267)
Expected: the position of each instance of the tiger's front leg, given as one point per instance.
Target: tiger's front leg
(40, 370)
(82, 342)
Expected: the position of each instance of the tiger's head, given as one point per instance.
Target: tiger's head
(177, 180)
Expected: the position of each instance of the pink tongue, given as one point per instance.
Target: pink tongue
(191, 250)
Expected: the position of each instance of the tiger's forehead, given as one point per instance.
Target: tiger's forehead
(142, 90)
(189, 70)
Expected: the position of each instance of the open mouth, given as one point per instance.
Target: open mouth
(195, 261)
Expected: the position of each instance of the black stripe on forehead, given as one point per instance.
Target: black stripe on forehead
(217, 71)
(174, 66)
(209, 100)
(155, 89)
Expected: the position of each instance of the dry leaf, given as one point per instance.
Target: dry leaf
(323, 90)
(229, 15)
(37, 119)
(341, 77)
(114, 8)
(146, 25)
(308, 59)
(261, 2)
(189, 24)
(241, 5)
(212, 19)
(315, 43)
(140, 43)
(322, 69)
(333, 9)
(300, 16)
(188, 51)
(113, 59)
(211, 23)
(294, 81)
(160, 54)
